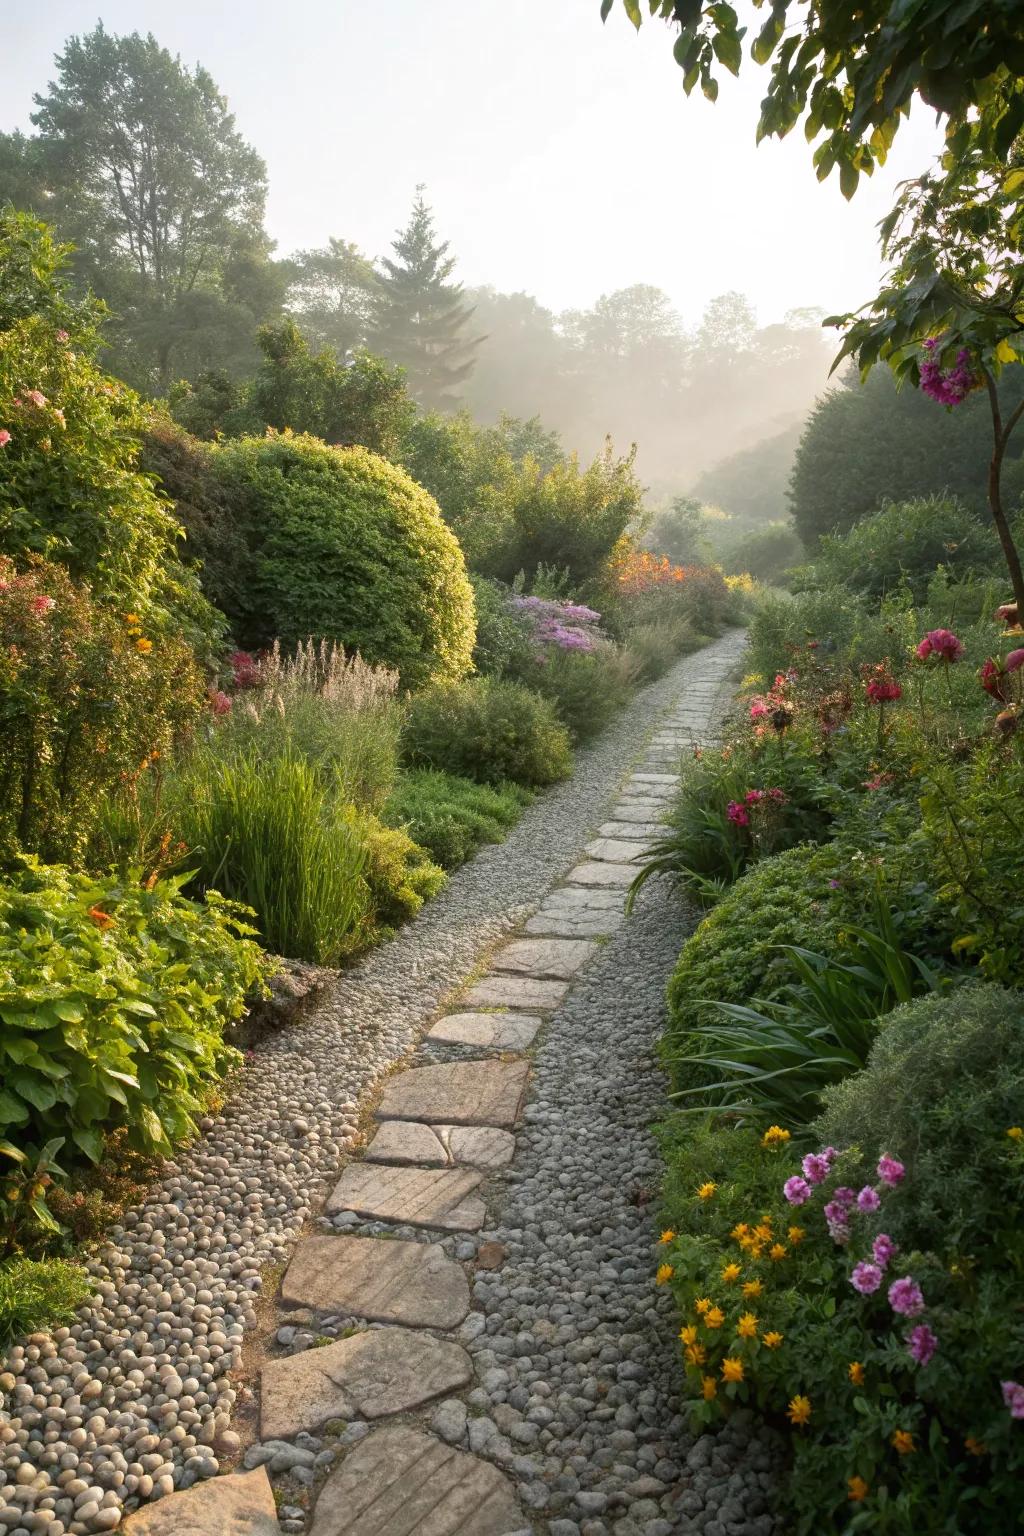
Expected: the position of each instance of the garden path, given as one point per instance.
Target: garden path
(493, 1355)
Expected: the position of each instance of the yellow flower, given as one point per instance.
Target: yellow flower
(774, 1136)
(730, 1273)
(132, 618)
(706, 1191)
(709, 1387)
(856, 1373)
(714, 1318)
(799, 1410)
(903, 1440)
(739, 1231)
(732, 1369)
(747, 1326)
(143, 645)
(763, 1230)
(702, 1306)
(976, 1447)
(777, 1251)
(773, 1340)
(689, 1334)
(1015, 1133)
(797, 1235)
(858, 1489)
(665, 1272)
(666, 1236)
(696, 1354)
(752, 1289)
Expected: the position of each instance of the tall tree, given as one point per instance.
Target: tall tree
(331, 293)
(420, 317)
(145, 171)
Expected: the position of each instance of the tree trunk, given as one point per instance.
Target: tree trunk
(1001, 436)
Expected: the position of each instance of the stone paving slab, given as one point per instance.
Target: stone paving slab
(635, 831)
(441, 1146)
(594, 872)
(415, 1284)
(417, 1197)
(401, 1482)
(498, 1031)
(558, 958)
(238, 1504)
(654, 778)
(638, 810)
(459, 1092)
(616, 850)
(367, 1376)
(577, 899)
(516, 992)
(562, 924)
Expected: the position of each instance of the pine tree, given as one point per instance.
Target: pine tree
(420, 317)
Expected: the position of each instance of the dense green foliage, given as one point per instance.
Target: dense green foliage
(452, 817)
(905, 542)
(35, 1295)
(487, 729)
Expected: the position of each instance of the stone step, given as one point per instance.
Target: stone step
(496, 1031)
(594, 872)
(516, 992)
(654, 778)
(401, 1482)
(639, 810)
(460, 1092)
(562, 924)
(635, 831)
(616, 850)
(416, 1197)
(441, 1146)
(367, 1376)
(575, 898)
(414, 1284)
(557, 958)
(237, 1504)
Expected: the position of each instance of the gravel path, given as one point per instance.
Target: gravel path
(135, 1400)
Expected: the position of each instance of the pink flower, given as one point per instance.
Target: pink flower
(992, 677)
(838, 1227)
(868, 1199)
(738, 814)
(1013, 1397)
(941, 643)
(905, 1297)
(220, 703)
(753, 797)
(796, 1190)
(883, 690)
(815, 1166)
(843, 1197)
(883, 1248)
(33, 397)
(42, 604)
(758, 709)
(866, 1278)
(63, 336)
(921, 1344)
(1015, 660)
(890, 1170)
(947, 385)
(5, 437)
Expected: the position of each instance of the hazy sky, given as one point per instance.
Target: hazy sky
(560, 155)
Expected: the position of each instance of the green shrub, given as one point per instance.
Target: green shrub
(453, 817)
(487, 729)
(344, 545)
(88, 701)
(504, 635)
(766, 553)
(654, 648)
(398, 877)
(587, 689)
(37, 1296)
(906, 541)
(114, 999)
(267, 831)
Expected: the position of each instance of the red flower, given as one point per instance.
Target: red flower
(942, 643)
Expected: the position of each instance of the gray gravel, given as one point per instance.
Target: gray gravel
(135, 1398)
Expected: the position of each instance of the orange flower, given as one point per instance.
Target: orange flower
(100, 918)
(714, 1318)
(730, 1273)
(739, 1231)
(797, 1235)
(709, 1387)
(143, 645)
(858, 1489)
(777, 1251)
(976, 1447)
(799, 1410)
(856, 1373)
(666, 1236)
(689, 1333)
(903, 1440)
(773, 1340)
(747, 1326)
(702, 1306)
(696, 1354)
(665, 1272)
(706, 1190)
(752, 1289)
(732, 1369)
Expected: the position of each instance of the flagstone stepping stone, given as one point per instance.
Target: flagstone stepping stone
(411, 1283)
(635, 831)
(500, 1031)
(401, 1482)
(238, 1504)
(441, 1146)
(654, 778)
(576, 897)
(638, 810)
(615, 850)
(597, 873)
(563, 923)
(560, 958)
(516, 992)
(366, 1376)
(458, 1093)
(420, 1197)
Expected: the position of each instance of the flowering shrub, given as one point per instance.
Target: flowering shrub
(89, 701)
(649, 587)
(567, 626)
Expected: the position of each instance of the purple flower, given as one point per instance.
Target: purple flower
(843, 1197)
(890, 1170)
(947, 385)
(796, 1190)
(868, 1199)
(815, 1166)
(866, 1278)
(1013, 1397)
(921, 1344)
(883, 1248)
(905, 1297)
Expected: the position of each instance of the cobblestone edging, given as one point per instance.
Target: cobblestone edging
(135, 1400)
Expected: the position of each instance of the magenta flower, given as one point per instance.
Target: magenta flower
(883, 690)
(941, 643)
(758, 709)
(844, 1197)
(947, 385)
(5, 437)
(815, 1166)
(890, 1170)
(1013, 661)
(1013, 1397)
(921, 1344)
(738, 814)
(868, 1199)
(883, 1248)
(905, 1297)
(796, 1190)
(866, 1278)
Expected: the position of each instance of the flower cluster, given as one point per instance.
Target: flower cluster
(776, 707)
(941, 643)
(569, 626)
(949, 386)
(880, 686)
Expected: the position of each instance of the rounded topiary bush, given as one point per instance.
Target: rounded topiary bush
(339, 543)
(489, 730)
